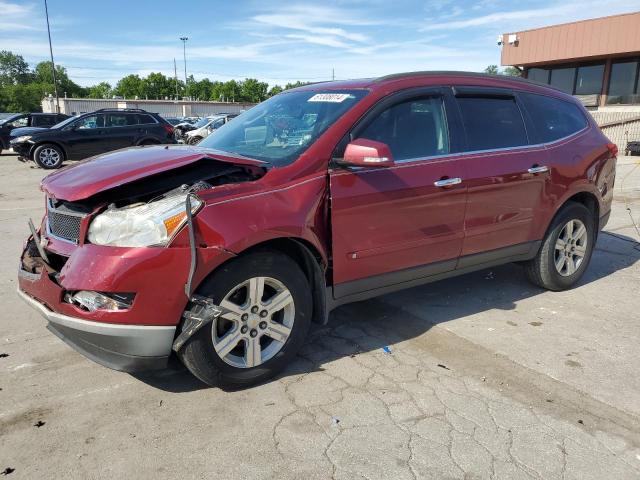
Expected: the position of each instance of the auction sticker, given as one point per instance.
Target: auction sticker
(329, 97)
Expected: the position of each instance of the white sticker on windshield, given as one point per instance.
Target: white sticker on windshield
(329, 97)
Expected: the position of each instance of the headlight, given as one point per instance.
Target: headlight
(24, 138)
(150, 224)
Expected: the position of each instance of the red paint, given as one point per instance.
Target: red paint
(361, 222)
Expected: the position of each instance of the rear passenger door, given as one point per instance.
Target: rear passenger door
(507, 176)
(395, 225)
(122, 129)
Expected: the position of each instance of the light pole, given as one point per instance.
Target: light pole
(53, 65)
(184, 52)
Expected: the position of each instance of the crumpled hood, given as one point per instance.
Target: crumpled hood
(111, 170)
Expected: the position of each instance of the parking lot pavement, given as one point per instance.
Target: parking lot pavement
(482, 376)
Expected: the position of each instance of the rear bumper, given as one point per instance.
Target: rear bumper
(126, 348)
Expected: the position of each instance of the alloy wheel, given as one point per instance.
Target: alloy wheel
(257, 323)
(49, 157)
(571, 247)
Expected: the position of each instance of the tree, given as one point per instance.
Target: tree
(43, 74)
(157, 86)
(101, 90)
(254, 91)
(296, 85)
(492, 70)
(13, 69)
(275, 90)
(226, 91)
(512, 72)
(130, 86)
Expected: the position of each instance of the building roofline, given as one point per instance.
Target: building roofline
(574, 22)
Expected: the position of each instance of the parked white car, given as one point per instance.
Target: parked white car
(195, 136)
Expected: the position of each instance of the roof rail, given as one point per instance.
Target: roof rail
(121, 110)
(398, 76)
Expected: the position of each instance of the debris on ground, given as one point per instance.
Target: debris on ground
(7, 471)
(4, 355)
(335, 420)
(39, 424)
(580, 422)
(386, 349)
(489, 276)
(443, 366)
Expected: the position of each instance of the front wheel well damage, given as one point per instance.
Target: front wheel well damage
(310, 261)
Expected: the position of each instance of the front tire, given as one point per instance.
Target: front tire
(48, 156)
(566, 249)
(269, 309)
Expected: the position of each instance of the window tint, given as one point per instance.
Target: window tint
(412, 129)
(624, 83)
(589, 80)
(121, 120)
(562, 78)
(538, 75)
(90, 122)
(492, 123)
(144, 119)
(553, 118)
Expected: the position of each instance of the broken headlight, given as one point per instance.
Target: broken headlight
(143, 225)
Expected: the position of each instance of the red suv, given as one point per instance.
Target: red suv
(326, 194)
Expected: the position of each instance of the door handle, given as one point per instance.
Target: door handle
(447, 182)
(538, 169)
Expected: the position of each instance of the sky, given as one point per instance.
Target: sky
(277, 42)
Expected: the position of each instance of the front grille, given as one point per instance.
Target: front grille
(63, 222)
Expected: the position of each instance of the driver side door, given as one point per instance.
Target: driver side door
(399, 224)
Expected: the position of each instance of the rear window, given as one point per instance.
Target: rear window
(144, 119)
(553, 118)
(492, 123)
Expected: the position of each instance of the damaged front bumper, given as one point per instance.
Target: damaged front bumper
(137, 338)
(121, 347)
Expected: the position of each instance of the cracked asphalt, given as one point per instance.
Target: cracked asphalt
(481, 376)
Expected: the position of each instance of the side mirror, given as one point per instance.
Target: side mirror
(367, 153)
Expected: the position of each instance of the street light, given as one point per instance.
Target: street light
(53, 65)
(184, 52)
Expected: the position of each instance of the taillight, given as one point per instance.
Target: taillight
(168, 128)
(613, 149)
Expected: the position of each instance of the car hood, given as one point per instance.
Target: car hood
(111, 170)
(20, 131)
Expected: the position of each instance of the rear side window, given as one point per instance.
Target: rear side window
(145, 119)
(121, 120)
(553, 118)
(413, 129)
(492, 123)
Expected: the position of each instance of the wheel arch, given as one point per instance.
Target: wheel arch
(308, 258)
(584, 197)
(49, 142)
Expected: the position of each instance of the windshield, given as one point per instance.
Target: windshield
(66, 121)
(9, 118)
(281, 128)
(202, 122)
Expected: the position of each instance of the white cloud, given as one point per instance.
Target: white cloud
(15, 17)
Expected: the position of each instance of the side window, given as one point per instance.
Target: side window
(146, 119)
(553, 118)
(90, 122)
(120, 120)
(413, 129)
(492, 122)
(43, 120)
(19, 122)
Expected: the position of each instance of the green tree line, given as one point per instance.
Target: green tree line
(22, 88)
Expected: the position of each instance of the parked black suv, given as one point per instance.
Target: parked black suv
(42, 120)
(91, 134)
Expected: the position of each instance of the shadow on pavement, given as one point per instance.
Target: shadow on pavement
(385, 324)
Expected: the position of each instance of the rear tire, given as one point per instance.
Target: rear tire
(48, 156)
(222, 353)
(566, 249)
